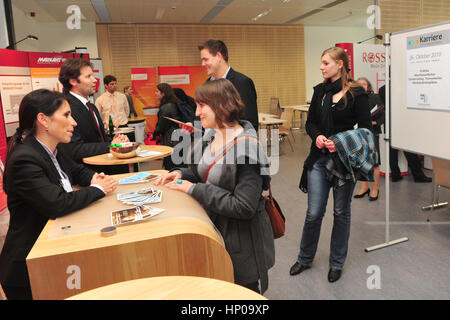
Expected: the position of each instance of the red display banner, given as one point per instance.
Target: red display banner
(187, 78)
(15, 82)
(348, 47)
(143, 82)
(14, 75)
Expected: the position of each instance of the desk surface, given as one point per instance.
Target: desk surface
(182, 240)
(135, 119)
(171, 288)
(124, 130)
(271, 121)
(108, 159)
(267, 115)
(303, 107)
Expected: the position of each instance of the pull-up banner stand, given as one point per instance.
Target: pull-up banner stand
(387, 242)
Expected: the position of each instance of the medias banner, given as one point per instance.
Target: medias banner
(367, 60)
(45, 66)
(143, 82)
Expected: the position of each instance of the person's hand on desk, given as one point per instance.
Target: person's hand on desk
(180, 185)
(171, 176)
(108, 183)
(120, 138)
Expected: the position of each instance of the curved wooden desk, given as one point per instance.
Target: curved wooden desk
(171, 288)
(182, 240)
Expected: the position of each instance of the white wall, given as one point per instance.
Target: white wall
(319, 38)
(53, 36)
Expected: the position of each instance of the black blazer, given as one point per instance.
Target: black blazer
(86, 141)
(246, 88)
(35, 194)
(165, 127)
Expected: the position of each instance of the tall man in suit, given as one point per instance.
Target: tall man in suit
(89, 138)
(214, 56)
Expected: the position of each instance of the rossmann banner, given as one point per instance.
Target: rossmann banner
(367, 60)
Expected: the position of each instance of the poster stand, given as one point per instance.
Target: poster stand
(387, 128)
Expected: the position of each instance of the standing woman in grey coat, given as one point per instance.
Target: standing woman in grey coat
(230, 190)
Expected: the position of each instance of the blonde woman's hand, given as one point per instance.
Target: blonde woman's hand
(329, 144)
(171, 176)
(320, 141)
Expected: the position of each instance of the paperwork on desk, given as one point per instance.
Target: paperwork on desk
(144, 196)
(133, 215)
(139, 178)
(146, 153)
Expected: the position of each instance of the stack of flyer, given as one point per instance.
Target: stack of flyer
(133, 215)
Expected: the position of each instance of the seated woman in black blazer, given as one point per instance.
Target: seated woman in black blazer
(38, 179)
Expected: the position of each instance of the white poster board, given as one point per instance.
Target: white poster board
(420, 83)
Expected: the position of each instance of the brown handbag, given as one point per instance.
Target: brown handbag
(276, 217)
(273, 210)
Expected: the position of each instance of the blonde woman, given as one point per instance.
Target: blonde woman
(336, 106)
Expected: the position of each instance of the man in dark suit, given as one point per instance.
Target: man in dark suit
(89, 138)
(214, 55)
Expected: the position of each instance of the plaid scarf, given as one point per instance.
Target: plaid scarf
(356, 152)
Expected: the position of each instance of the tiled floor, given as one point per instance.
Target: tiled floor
(415, 269)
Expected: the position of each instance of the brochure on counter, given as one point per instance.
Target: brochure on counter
(133, 215)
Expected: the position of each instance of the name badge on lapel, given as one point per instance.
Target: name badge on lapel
(66, 185)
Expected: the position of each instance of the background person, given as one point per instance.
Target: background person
(413, 160)
(214, 56)
(128, 91)
(113, 103)
(89, 136)
(336, 106)
(164, 128)
(231, 193)
(38, 180)
(377, 117)
(186, 106)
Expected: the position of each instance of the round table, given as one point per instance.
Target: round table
(107, 159)
(170, 288)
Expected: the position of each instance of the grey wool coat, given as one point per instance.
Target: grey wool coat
(236, 205)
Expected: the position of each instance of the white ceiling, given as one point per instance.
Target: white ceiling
(279, 12)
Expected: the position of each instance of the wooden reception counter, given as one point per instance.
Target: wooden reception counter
(70, 256)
